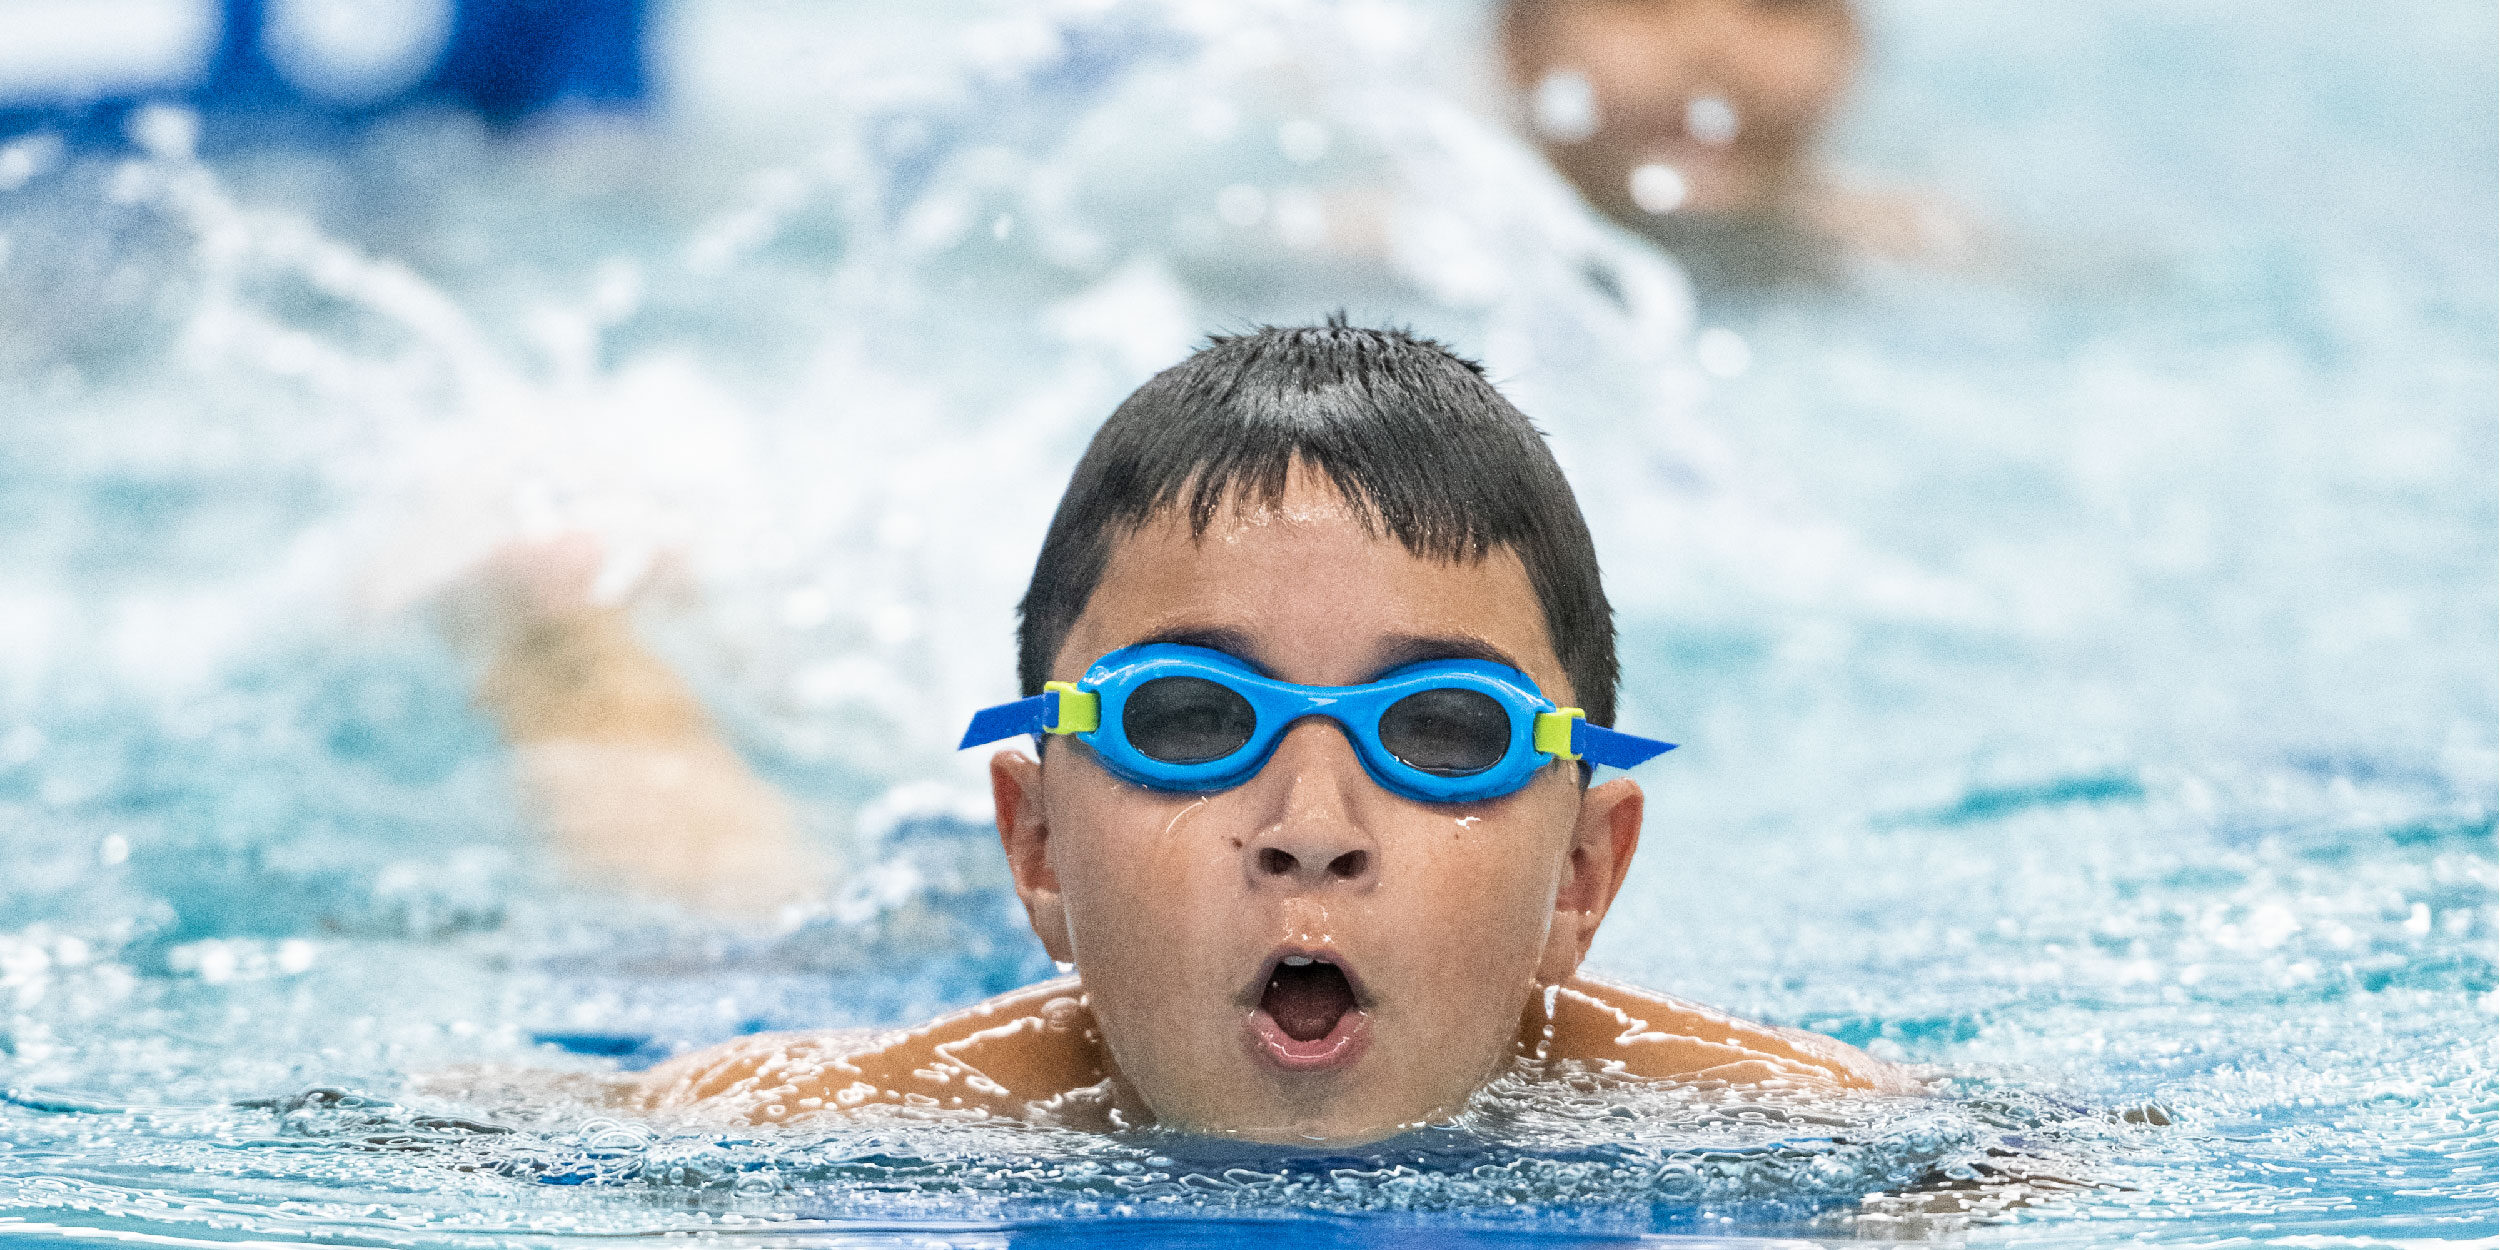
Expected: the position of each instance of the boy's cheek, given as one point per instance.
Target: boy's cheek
(1128, 860)
(1496, 887)
(1116, 829)
(1486, 919)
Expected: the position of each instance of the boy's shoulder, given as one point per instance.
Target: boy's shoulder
(1035, 1053)
(1661, 1037)
(1034, 1049)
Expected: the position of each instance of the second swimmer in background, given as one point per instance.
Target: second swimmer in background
(1696, 123)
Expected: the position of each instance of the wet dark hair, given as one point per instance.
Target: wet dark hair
(1414, 438)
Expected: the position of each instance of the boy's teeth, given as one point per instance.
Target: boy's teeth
(1297, 961)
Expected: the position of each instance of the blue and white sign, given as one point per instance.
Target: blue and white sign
(247, 65)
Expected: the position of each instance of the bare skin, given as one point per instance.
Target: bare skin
(1731, 98)
(1779, 69)
(618, 762)
(1460, 927)
(1036, 1054)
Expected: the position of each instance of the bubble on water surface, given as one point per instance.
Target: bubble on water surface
(1722, 352)
(1303, 140)
(1658, 188)
(1241, 205)
(1564, 106)
(26, 157)
(1711, 119)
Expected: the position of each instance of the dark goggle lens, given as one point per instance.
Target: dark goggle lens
(1186, 720)
(1448, 732)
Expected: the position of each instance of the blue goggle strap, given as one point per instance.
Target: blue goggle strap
(1566, 734)
(1060, 708)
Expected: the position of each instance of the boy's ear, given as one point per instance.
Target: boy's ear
(1016, 790)
(1602, 842)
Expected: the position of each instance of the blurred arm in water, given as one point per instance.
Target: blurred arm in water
(1695, 123)
(628, 777)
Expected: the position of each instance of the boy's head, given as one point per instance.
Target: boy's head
(1707, 108)
(1307, 954)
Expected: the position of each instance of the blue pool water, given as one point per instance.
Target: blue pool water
(2087, 666)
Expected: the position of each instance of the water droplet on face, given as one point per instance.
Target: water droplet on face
(1658, 188)
(1712, 120)
(1564, 107)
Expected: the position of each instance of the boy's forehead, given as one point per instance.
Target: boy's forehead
(1309, 589)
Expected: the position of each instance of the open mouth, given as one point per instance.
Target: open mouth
(1308, 1016)
(1306, 997)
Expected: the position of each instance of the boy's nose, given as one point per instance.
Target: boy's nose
(1310, 838)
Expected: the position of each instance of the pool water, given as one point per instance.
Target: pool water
(2086, 664)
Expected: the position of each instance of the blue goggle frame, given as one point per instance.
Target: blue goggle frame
(1090, 709)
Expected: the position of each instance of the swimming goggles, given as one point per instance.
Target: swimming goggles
(1176, 717)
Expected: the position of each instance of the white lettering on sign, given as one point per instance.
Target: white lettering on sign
(66, 51)
(357, 51)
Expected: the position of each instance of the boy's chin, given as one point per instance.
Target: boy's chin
(1329, 1114)
(1281, 1127)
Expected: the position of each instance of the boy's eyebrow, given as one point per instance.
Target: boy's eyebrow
(1405, 649)
(1222, 638)
(1399, 650)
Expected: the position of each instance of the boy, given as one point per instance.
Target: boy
(1305, 928)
